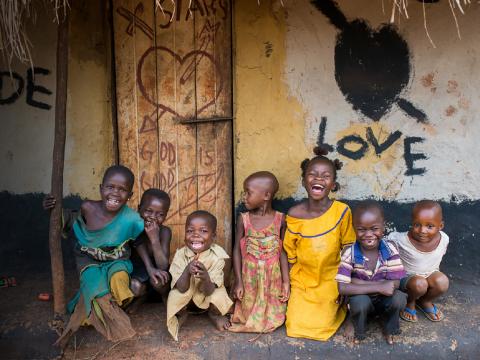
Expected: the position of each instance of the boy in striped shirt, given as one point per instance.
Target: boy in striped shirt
(369, 274)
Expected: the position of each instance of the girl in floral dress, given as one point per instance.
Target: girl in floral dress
(262, 286)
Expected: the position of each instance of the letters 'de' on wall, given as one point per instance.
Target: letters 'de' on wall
(173, 77)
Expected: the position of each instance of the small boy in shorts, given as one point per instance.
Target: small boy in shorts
(151, 259)
(369, 273)
(197, 275)
(421, 250)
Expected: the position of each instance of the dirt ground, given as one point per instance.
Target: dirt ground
(25, 334)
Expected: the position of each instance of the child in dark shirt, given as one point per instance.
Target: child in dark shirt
(369, 273)
(151, 258)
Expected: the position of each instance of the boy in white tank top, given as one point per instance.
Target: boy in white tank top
(421, 250)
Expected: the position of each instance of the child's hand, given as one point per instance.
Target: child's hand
(192, 268)
(238, 291)
(202, 272)
(285, 292)
(49, 202)
(152, 230)
(386, 288)
(159, 277)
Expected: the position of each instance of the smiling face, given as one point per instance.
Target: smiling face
(369, 226)
(153, 209)
(199, 233)
(319, 179)
(426, 223)
(115, 191)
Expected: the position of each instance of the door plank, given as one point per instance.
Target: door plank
(124, 39)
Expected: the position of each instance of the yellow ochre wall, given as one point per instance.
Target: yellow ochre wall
(269, 122)
(284, 62)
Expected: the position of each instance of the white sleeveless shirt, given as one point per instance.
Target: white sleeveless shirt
(418, 262)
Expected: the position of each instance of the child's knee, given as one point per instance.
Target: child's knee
(138, 288)
(418, 285)
(360, 304)
(120, 287)
(439, 281)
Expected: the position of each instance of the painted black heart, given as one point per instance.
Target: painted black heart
(372, 67)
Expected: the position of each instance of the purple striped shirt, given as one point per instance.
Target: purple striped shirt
(352, 264)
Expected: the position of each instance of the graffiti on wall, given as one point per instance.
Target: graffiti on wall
(12, 86)
(355, 146)
(372, 70)
(179, 78)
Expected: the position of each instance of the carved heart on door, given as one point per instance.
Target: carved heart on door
(184, 74)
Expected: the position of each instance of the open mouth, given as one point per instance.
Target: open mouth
(196, 245)
(369, 242)
(317, 188)
(113, 202)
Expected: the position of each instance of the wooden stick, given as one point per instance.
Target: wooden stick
(55, 231)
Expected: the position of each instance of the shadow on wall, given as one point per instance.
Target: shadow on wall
(24, 233)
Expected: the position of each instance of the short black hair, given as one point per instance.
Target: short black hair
(321, 152)
(428, 204)
(368, 205)
(267, 175)
(211, 219)
(155, 193)
(120, 169)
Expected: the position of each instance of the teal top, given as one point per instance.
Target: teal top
(95, 277)
(126, 225)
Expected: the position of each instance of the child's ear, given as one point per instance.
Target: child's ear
(268, 195)
(130, 195)
(441, 225)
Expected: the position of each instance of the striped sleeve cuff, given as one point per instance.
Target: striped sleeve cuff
(343, 279)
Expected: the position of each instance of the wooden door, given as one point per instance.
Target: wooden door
(174, 101)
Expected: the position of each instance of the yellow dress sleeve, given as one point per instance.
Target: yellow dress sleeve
(290, 246)
(347, 234)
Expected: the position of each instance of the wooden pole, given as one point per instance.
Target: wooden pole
(55, 231)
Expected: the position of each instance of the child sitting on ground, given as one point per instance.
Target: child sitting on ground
(152, 255)
(103, 230)
(151, 258)
(197, 275)
(262, 285)
(421, 250)
(369, 273)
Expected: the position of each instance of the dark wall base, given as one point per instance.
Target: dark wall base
(462, 225)
(24, 233)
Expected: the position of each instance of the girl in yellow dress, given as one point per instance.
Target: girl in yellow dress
(317, 229)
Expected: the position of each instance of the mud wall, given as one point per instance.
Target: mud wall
(401, 114)
(27, 106)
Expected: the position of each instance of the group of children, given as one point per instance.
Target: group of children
(300, 269)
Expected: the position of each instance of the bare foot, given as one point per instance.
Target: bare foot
(349, 333)
(220, 322)
(133, 307)
(389, 339)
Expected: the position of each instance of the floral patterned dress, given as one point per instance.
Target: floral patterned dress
(260, 310)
